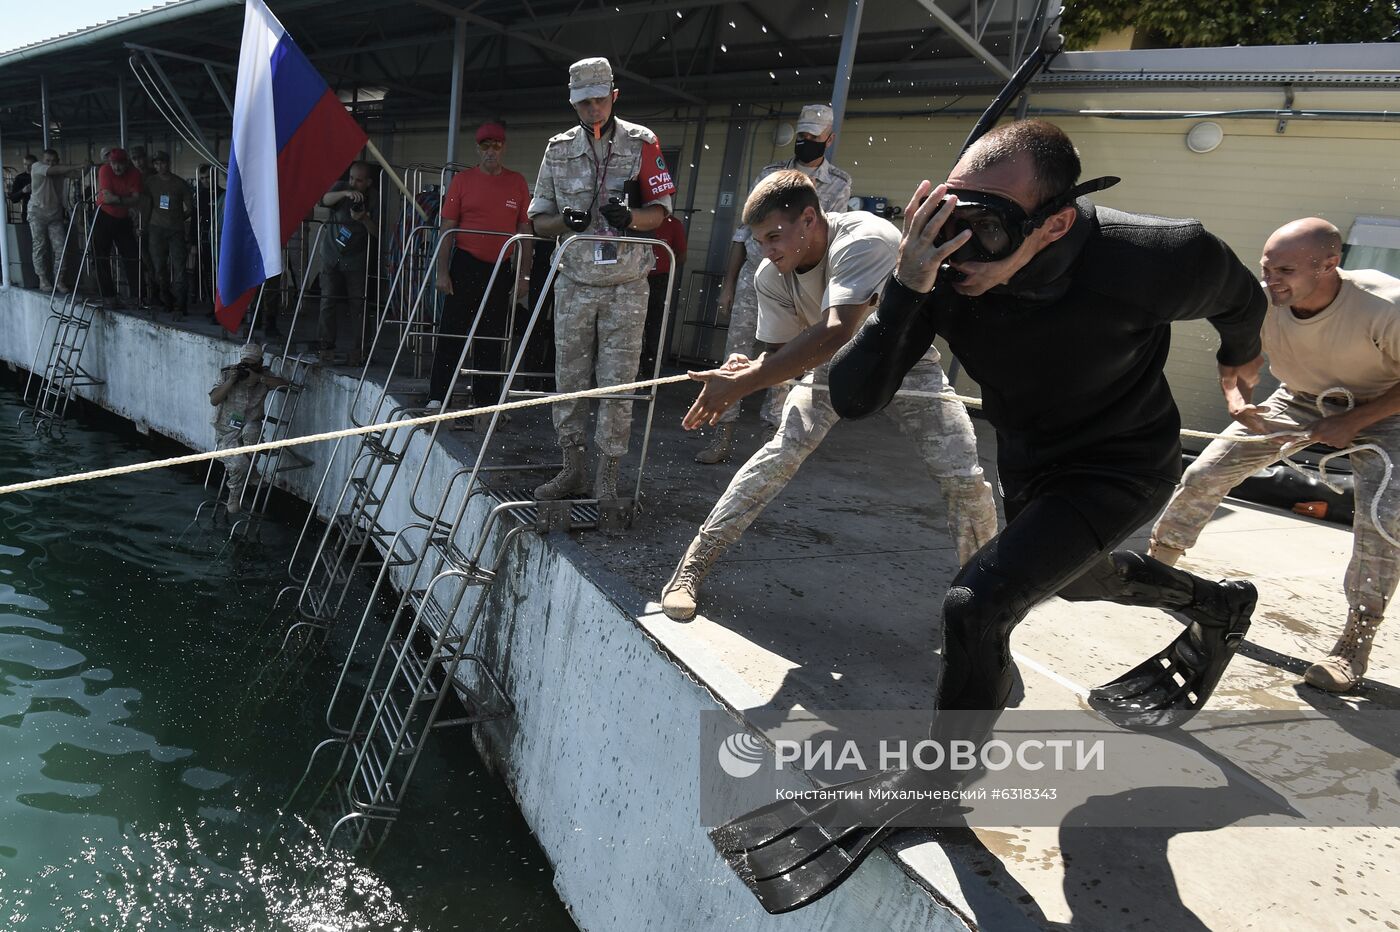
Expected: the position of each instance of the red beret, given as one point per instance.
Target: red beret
(117, 155)
(491, 131)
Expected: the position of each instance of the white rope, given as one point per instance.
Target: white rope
(1297, 439)
(331, 435)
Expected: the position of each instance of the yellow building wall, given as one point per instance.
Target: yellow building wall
(1254, 182)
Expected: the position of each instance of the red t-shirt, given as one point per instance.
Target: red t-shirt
(672, 232)
(123, 185)
(478, 201)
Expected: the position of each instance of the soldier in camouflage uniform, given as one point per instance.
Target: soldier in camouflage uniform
(602, 177)
(814, 138)
(1328, 328)
(810, 308)
(238, 402)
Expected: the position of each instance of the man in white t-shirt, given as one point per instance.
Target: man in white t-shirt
(822, 274)
(737, 298)
(1328, 328)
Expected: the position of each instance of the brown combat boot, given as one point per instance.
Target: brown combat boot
(605, 478)
(679, 596)
(571, 482)
(1342, 669)
(720, 448)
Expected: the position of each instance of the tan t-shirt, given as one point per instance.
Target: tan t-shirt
(1354, 343)
(859, 258)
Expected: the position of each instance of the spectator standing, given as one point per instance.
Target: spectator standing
(47, 216)
(171, 204)
(119, 191)
(345, 251)
(737, 298)
(20, 188)
(487, 197)
(604, 177)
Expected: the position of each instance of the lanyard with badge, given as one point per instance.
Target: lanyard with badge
(603, 253)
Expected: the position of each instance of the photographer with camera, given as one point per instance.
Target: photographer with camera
(345, 252)
(238, 402)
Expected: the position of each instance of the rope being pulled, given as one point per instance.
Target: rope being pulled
(1298, 439)
(332, 435)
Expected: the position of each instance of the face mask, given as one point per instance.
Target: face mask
(809, 150)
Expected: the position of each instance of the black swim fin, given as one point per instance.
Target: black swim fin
(1168, 688)
(790, 854)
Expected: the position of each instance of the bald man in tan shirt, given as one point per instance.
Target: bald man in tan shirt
(1328, 328)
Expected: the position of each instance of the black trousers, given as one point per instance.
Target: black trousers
(469, 278)
(109, 231)
(651, 335)
(1059, 533)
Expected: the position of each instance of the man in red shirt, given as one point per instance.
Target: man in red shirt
(671, 232)
(488, 197)
(118, 190)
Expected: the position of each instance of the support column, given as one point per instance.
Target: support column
(44, 108)
(4, 230)
(695, 155)
(459, 65)
(5, 227)
(844, 63)
(121, 109)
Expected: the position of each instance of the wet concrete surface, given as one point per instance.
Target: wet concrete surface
(831, 601)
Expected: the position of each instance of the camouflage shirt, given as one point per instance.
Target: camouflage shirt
(575, 173)
(244, 402)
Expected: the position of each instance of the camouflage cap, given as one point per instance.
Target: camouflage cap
(590, 77)
(252, 352)
(815, 119)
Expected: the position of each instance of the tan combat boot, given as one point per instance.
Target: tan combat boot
(678, 598)
(1342, 669)
(720, 447)
(1162, 553)
(605, 478)
(571, 482)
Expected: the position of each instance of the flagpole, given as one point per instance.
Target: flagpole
(394, 176)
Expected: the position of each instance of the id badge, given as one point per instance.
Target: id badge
(605, 253)
(235, 421)
(165, 202)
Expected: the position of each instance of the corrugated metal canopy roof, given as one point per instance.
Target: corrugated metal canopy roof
(667, 53)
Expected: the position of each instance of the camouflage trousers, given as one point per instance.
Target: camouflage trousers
(48, 233)
(597, 335)
(1374, 569)
(236, 468)
(940, 429)
(743, 338)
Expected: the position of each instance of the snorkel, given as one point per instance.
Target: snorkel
(1048, 47)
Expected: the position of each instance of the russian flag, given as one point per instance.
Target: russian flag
(292, 138)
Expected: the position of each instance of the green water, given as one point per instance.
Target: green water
(140, 770)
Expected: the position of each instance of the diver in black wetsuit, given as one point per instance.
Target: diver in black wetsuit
(1061, 311)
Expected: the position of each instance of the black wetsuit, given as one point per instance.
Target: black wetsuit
(1069, 358)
